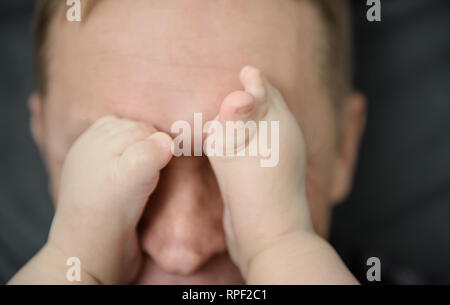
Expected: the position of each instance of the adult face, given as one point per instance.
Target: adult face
(161, 61)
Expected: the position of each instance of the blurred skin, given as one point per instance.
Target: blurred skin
(161, 61)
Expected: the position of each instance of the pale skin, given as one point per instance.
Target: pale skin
(160, 61)
(114, 167)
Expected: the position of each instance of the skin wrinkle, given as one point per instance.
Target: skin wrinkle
(158, 86)
(194, 41)
(141, 59)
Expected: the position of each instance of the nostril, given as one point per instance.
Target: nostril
(179, 260)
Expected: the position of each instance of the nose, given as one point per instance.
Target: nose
(181, 228)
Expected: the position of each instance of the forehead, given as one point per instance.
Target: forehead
(161, 61)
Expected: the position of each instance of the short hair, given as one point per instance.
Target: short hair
(336, 45)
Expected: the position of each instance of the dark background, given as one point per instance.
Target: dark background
(400, 208)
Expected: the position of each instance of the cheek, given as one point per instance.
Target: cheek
(320, 143)
(320, 140)
(55, 154)
(318, 123)
(318, 185)
(61, 129)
